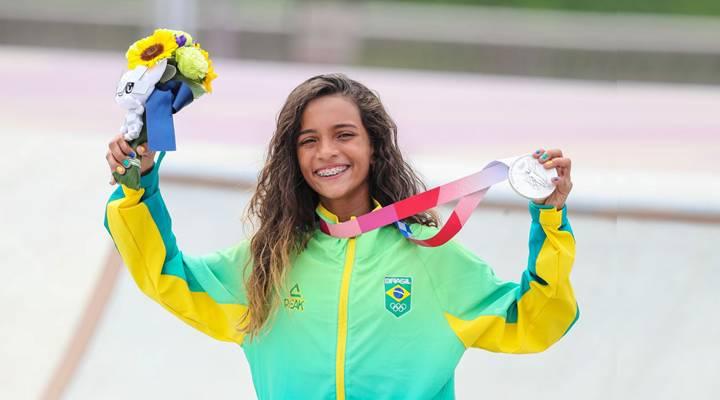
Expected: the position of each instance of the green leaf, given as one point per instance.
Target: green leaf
(169, 73)
(197, 88)
(131, 178)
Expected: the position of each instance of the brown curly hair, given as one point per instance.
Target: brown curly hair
(283, 204)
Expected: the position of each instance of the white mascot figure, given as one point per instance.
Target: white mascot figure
(133, 90)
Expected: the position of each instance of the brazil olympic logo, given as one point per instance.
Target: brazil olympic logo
(397, 295)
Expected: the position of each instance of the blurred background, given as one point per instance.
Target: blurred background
(627, 89)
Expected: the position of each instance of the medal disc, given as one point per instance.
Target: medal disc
(530, 179)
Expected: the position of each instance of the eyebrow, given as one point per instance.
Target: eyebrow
(336, 126)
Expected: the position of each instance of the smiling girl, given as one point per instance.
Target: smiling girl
(374, 316)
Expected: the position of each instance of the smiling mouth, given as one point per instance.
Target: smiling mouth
(330, 172)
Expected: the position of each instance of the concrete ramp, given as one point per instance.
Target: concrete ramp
(645, 210)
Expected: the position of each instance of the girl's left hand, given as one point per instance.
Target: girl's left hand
(563, 185)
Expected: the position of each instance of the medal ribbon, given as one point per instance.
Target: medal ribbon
(470, 191)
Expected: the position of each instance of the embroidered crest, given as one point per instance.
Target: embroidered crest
(398, 292)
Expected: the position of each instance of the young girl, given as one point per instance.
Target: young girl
(372, 317)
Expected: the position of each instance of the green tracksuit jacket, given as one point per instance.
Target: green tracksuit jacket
(370, 317)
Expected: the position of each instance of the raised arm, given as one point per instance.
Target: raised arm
(204, 291)
(510, 317)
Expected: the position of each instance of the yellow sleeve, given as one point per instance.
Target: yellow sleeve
(509, 317)
(205, 291)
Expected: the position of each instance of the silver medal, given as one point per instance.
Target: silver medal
(530, 179)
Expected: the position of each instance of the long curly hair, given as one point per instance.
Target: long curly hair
(283, 204)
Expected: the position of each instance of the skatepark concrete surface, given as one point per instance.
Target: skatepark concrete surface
(645, 210)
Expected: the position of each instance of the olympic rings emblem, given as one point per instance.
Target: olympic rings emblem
(398, 307)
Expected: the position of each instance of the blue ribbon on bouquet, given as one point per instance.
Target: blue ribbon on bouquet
(167, 99)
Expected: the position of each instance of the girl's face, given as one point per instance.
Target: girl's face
(334, 151)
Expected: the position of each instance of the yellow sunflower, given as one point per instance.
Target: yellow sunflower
(207, 82)
(148, 51)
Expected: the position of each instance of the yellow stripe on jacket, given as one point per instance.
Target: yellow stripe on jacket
(508, 317)
(142, 248)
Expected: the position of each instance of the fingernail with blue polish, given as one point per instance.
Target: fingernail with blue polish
(537, 151)
(132, 154)
(555, 179)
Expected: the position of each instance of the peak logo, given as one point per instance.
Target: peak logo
(295, 302)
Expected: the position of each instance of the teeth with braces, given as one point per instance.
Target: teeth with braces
(332, 171)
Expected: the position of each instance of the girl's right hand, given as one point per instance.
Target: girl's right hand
(119, 150)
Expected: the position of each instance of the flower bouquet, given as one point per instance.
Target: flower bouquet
(166, 72)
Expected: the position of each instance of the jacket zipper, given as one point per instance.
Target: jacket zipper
(342, 320)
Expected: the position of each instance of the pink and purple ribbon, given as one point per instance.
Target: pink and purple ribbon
(470, 191)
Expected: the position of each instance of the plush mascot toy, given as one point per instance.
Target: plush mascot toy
(166, 72)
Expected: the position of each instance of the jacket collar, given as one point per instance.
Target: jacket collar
(331, 218)
(368, 243)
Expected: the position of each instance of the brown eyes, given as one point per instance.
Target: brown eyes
(306, 141)
(341, 135)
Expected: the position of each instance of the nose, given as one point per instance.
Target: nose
(326, 150)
